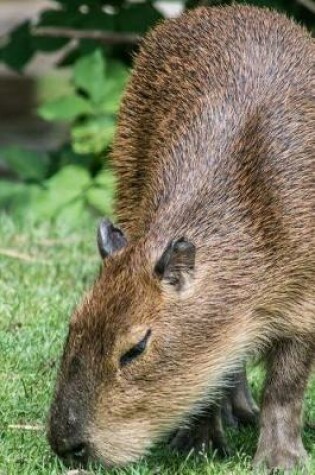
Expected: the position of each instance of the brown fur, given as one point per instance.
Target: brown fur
(215, 142)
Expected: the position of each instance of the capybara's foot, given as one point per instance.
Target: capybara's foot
(280, 445)
(204, 433)
(287, 456)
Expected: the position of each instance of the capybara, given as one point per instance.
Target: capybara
(213, 259)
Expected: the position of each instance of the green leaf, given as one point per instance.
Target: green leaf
(28, 165)
(94, 136)
(101, 195)
(69, 16)
(101, 200)
(19, 49)
(17, 197)
(67, 108)
(113, 97)
(106, 179)
(63, 188)
(9, 190)
(51, 18)
(73, 213)
(138, 17)
(89, 75)
(118, 71)
(114, 87)
(96, 19)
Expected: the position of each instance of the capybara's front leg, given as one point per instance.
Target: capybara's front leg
(280, 444)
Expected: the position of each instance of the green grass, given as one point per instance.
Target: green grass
(37, 296)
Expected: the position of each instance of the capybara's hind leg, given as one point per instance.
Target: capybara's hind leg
(205, 432)
(239, 407)
(280, 443)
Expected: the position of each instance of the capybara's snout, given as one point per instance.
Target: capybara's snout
(66, 428)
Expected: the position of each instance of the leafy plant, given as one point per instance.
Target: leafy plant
(100, 37)
(111, 16)
(68, 195)
(27, 165)
(92, 105)
(72, 190)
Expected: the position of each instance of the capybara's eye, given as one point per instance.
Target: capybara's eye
(135, 351)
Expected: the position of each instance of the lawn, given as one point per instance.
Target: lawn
(43, 272)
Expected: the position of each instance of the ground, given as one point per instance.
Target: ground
(43, 271)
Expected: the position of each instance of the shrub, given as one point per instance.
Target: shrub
(100, 37)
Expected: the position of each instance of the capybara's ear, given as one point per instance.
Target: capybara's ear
(109, 238)
(177, 263)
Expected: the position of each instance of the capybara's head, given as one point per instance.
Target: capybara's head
(128, 371)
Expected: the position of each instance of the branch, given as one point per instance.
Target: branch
(78, 472)
(206, 3)
(309, 4)
(26, 427)
(17, 255)
(107, 37)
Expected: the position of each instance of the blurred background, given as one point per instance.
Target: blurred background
(63, 67)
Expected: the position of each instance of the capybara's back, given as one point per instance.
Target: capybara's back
(215, 260)
(223, 99)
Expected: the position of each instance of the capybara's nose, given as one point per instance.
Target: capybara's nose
(75, 455)
(73, 451)
(66, 432)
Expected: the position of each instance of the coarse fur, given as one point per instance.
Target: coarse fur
(216, 143)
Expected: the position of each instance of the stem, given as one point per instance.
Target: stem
(107, 37)
(309, 4)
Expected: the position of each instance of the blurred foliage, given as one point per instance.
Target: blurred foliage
(70, 193)
(66, 186)
(72, 180)
(92, 104)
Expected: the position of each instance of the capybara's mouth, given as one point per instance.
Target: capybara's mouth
(77, 457)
